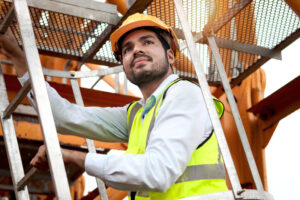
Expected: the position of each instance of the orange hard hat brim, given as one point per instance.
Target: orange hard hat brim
(115, 36)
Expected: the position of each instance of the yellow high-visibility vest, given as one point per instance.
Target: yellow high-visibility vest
(205, 171)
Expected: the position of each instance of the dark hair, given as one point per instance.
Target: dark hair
(162, 35)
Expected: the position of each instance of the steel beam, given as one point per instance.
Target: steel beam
(105, 13)
(125, 85)
(17, 100)
(232, 45)
(91, 52)
(215, 26)
(91, 4)
(248, 48)
(26, 110)
(82, 74)
(26, 178)
(96, 82)
(100, 60)
(91, 97)
(294, 36)
(6, 62)
(279, 104)
(7, 20)
(33, 190)
(117, 83)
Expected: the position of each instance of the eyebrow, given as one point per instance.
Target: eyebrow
(140, 39)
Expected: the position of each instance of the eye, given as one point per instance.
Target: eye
(126, 50)
(147, 42)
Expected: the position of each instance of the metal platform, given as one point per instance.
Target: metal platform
(248, 33)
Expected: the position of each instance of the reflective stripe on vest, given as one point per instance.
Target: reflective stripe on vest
(199, 177)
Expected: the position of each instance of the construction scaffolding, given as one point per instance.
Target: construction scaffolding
(221, 43)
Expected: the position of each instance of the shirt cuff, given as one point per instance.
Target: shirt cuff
(94, 165)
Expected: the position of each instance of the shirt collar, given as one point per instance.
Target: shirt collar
(150, 102)
(161, 87)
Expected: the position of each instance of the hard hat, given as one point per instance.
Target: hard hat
(138, 20)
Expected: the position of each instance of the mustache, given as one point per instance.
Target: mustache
(149, 58)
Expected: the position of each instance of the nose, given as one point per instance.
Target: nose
(138, 49)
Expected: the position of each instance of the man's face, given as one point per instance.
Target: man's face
(144, 58)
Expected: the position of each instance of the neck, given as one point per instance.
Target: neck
(147, 89)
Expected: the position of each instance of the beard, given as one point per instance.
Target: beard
(156, 72)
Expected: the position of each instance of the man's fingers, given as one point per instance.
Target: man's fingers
(40, 159)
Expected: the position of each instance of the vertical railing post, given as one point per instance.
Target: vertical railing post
(235, 113)
(54, 155)
(234, 180)
(90, 143)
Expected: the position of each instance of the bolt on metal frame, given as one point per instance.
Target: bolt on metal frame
(237, 191)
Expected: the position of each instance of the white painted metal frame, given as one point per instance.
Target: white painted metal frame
(234, 180)
(11, 143)
(237, 191)
(82, 74)
(90, 143)
(235, 113)
(56, 165)
(236, 46)
(73, 76)
(102, 12)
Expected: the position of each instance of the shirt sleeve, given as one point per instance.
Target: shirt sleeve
(106, 124)
(181, 125)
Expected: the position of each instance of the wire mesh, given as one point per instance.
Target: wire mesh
(63, 35)
(264, 23)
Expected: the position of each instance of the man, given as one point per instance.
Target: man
(172, 149)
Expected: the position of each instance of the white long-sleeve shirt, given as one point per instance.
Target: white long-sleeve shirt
(182, 123)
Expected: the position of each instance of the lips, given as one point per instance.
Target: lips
(140, 58)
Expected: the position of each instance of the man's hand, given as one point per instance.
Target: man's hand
(40, 161)
(10, 48)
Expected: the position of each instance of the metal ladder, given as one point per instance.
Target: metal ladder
(74, 76)
(36, 83)
(237, 191)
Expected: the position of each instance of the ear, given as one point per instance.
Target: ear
(171, 56)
